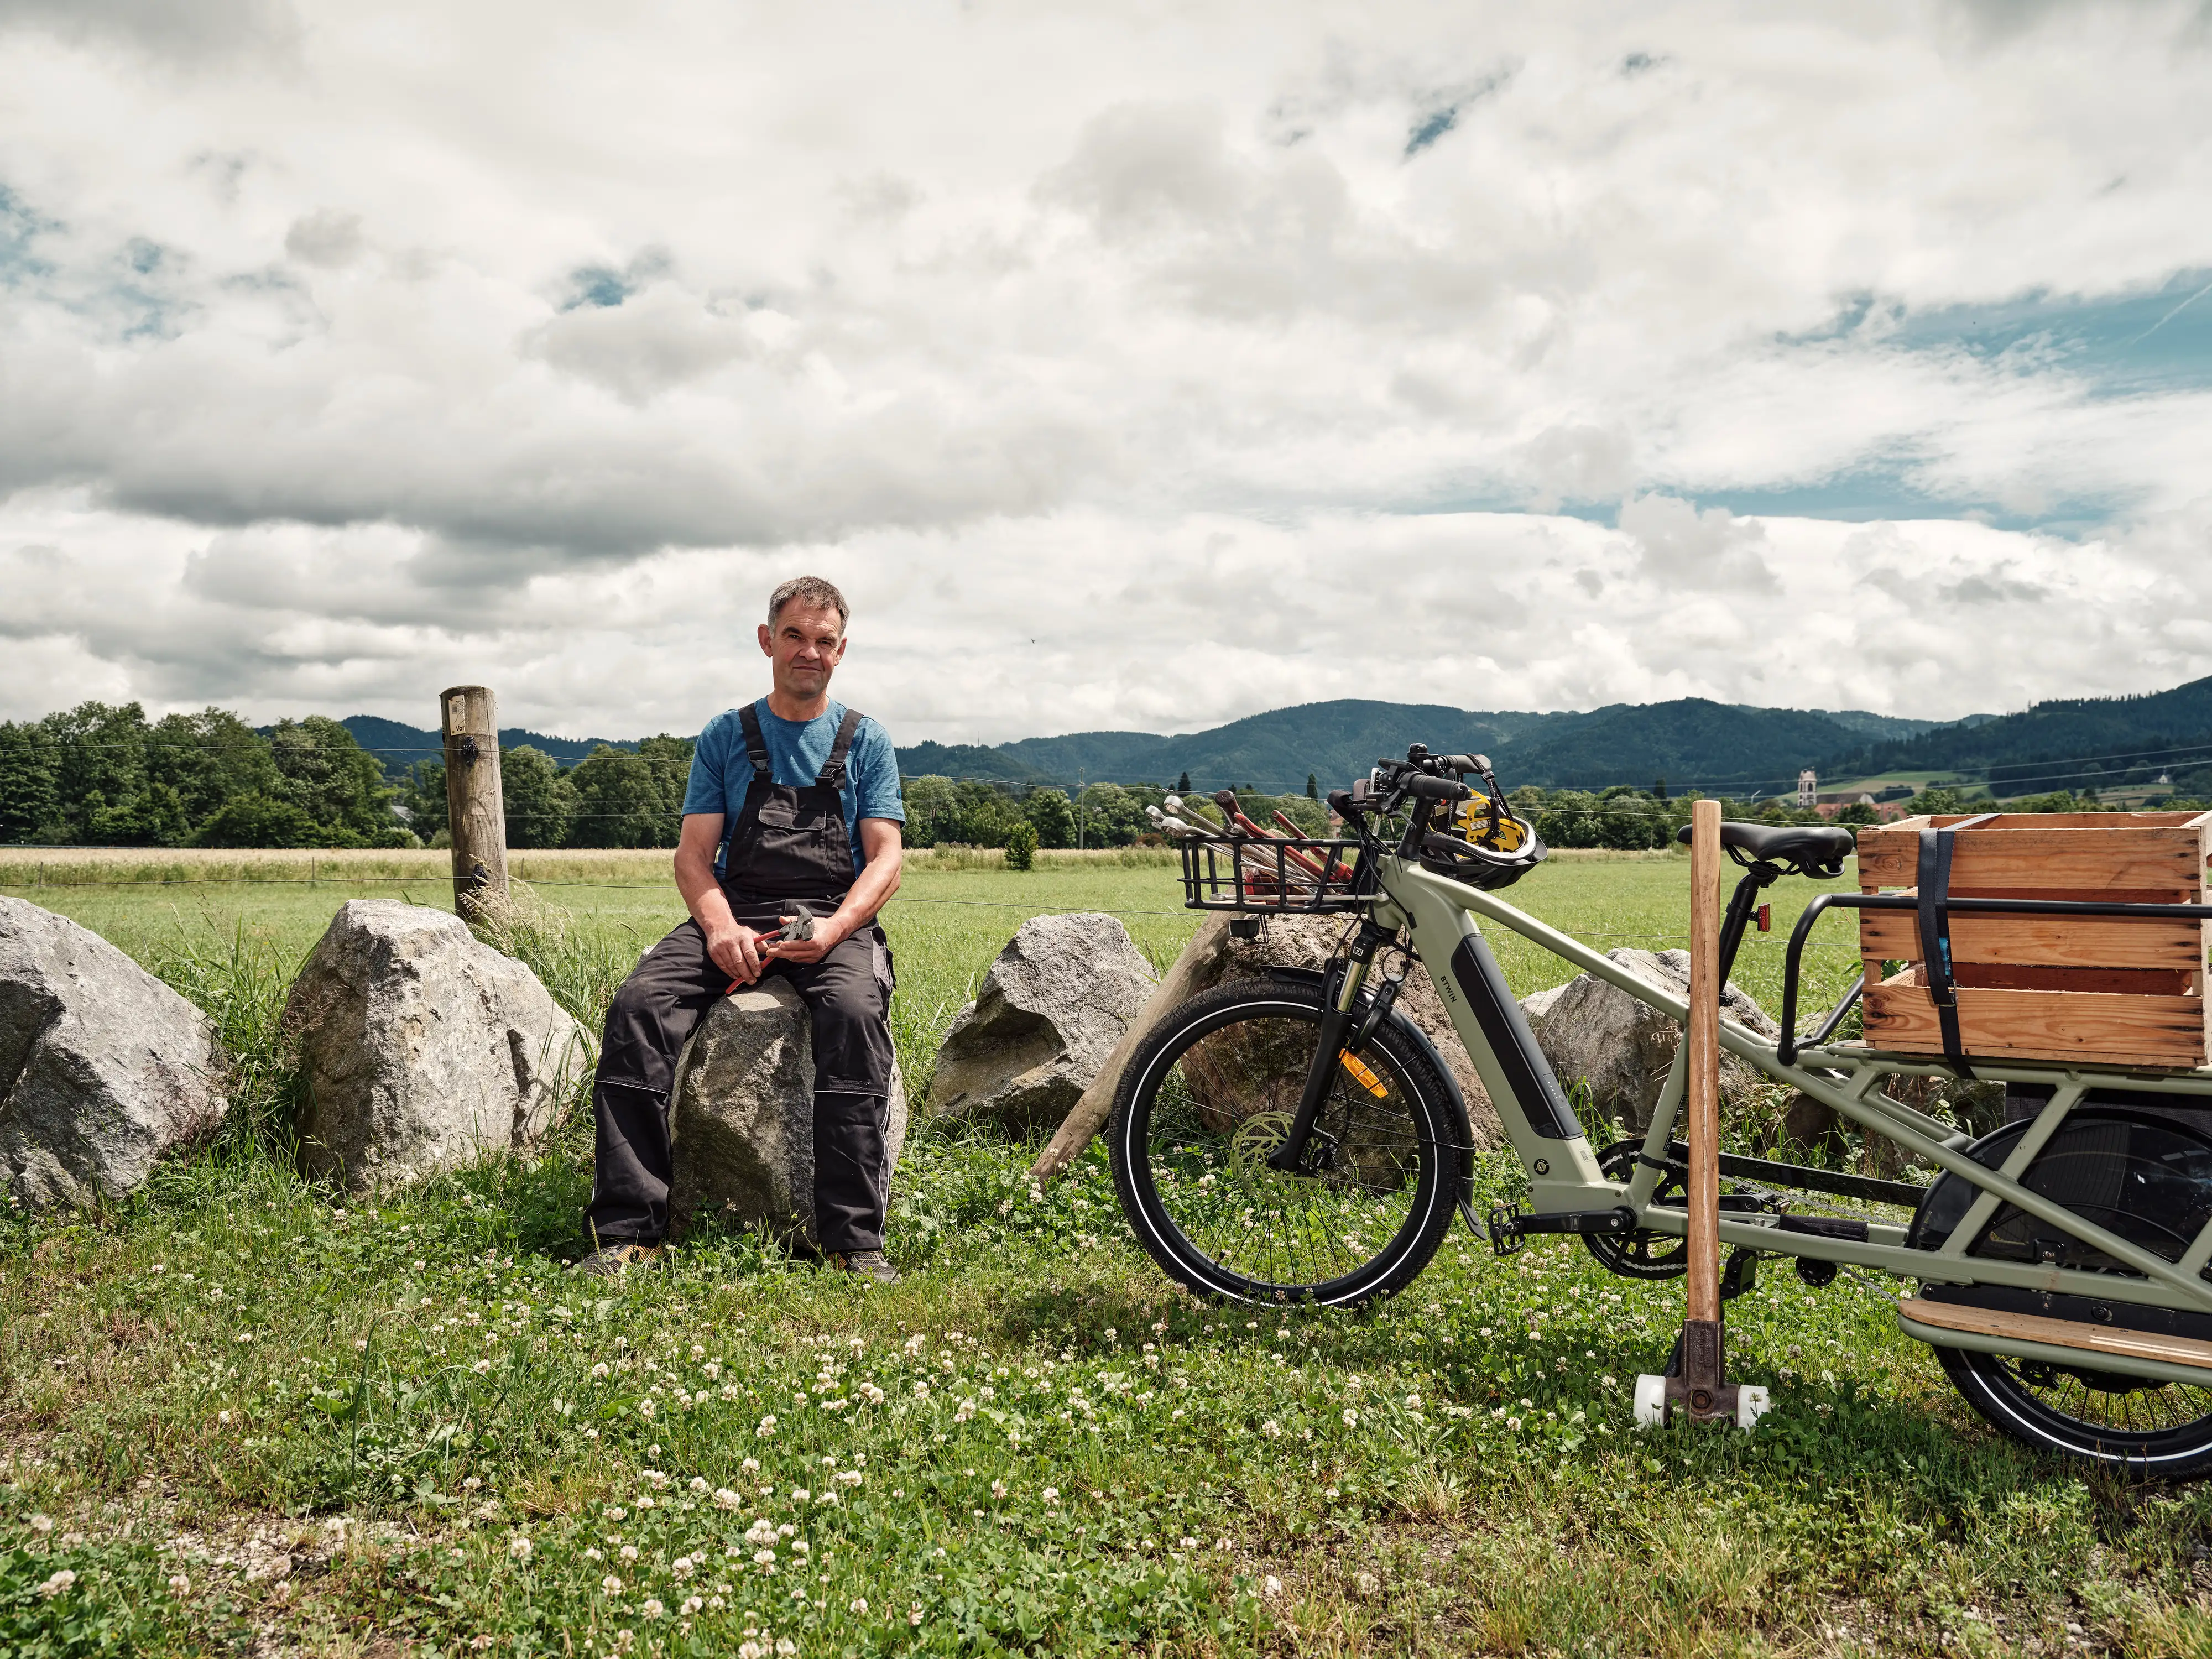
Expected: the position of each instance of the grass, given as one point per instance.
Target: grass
(251, 1416)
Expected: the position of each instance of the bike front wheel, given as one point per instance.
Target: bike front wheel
(1209, 1094)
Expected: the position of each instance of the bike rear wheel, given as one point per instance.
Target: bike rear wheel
(2163, 1429)
(1205, 1099)
(2145, 1176)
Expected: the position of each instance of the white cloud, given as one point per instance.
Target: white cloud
(1233, 355)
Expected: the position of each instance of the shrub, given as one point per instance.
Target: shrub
(1021, 845)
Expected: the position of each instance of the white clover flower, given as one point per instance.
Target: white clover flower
(914, 1617)
(1350, 1417)
(799, 1495)
(591, 1554)
(750, 1466)
(1272, 1586)
(41, 1524)
(696, 1484)
(630, 1551)
(600, 1370)
(997, 1489)
(681, 1566)
(481, 1367)
(725, 1499)
(1051, 1494)
(646, 1409)
(859, 1604)
(786, 1646)
(764, 1558)
(750, 1650)
(653, 1608)
(55, 1585)
(691, 1605)
(1271, 1429)
(767, 1429)
(610, 1585)
(179, 1585)
(519, 1548)
(850, 1478)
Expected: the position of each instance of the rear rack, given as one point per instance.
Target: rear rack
(1275, 876)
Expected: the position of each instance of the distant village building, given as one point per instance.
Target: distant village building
(1809, 788)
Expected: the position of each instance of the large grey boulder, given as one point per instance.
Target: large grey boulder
(422, 1048)
(1596, 1033)
(744, 1116)
(1295, 941)
(103, 1068)
(1044, 1019)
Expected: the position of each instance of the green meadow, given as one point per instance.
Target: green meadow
(240, 1413)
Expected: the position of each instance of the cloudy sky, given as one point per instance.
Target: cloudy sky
(1140, 365)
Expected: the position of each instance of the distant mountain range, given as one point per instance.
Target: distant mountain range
(1734, 749)
(399, 746)
(2067, 744)
(1691, 742)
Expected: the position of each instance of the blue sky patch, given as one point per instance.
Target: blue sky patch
(2154, 340)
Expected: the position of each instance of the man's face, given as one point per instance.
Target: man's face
(805, 646)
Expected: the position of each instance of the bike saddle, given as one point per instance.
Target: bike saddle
(1813, 849)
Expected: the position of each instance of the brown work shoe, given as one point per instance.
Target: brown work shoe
(868, 1264)
(615, 1260)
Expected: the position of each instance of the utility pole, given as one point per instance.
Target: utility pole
(468, 718)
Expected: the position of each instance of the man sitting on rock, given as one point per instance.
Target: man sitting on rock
(792, 816)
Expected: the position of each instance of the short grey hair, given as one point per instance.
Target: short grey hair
(812, 590)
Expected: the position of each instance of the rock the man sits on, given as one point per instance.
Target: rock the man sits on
(793, 809)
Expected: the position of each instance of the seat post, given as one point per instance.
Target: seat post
(1742, 903)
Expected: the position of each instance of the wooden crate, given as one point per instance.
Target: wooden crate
(2106, 992)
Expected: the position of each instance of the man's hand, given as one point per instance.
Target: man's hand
(829, 933)
(737, 952)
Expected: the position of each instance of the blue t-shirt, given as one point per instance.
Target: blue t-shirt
(721, 771)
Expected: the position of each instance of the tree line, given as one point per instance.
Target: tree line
(103, 774)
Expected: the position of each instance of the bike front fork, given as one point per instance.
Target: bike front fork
(1341, 1014)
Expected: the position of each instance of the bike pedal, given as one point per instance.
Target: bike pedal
(1505, 1235)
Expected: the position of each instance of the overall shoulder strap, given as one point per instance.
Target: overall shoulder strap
(1933, 888)
(833, 771)
(756, 744)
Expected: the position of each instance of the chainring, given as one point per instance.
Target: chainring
(1642, 1254)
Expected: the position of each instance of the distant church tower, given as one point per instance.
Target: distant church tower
(1809, 788)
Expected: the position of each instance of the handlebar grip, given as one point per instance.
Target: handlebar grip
(1428, 788)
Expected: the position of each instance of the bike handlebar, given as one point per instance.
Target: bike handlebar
(1424, 787)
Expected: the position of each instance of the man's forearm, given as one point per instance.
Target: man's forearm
(870, 892)
(702, 894)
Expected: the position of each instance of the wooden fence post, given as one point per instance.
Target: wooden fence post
(468, 718)
(1701, 1390)
(1703, 1364)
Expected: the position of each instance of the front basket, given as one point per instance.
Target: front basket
(1286, 874)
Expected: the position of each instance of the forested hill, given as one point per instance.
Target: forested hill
(2076, 743)
(399, 745)
(1693, 743)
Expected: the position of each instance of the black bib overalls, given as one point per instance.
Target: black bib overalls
(787, 852)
